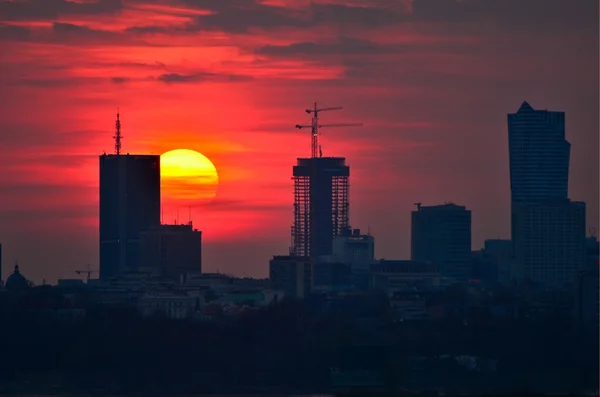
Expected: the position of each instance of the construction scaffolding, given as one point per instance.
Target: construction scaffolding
(301, 228)
(340, 205)
(321, 204)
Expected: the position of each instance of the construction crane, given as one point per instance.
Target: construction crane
(314, 126)
(88, 272)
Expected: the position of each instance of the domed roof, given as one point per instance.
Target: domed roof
(16, 281)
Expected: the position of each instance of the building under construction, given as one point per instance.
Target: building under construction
(321, 205)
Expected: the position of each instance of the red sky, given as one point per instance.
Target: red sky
(432, 81)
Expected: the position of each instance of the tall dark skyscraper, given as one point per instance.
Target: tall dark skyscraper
(548, 230)
(539, 155)
(129, 204)
(321, 206)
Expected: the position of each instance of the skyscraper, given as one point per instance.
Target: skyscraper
(441, 234)
(539, 155)
(321, 206)
(550, 243)
(548, 230)
(129, 204)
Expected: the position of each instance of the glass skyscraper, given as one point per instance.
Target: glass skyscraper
(539, 155)
(129, 204)
(548, 230)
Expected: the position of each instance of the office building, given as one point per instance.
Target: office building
(129, 204)
(171, 250)
(587, 303)
(499, 253)
(403, 275)
(321, 206)
(354, 249)
(441, 235)
(548, 230)
(551, 244)
(593, 252)
(539, 154)
(290, 274)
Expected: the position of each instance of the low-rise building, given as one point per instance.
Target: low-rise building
(291, 274)
(403, 275)
(172, 305)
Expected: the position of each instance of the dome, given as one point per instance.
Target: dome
(16, 281)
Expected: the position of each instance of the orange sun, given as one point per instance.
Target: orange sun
(188, 176)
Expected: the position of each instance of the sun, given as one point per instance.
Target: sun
(187, 175)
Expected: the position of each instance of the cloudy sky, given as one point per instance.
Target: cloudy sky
(432, 81)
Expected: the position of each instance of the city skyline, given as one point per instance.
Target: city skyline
(435, 132)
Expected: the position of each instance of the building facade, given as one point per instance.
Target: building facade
(290, 274)
(548, 230)
(354, 249)
(441, 235)
(129, 204)
(171, 250)
(321, 206)
(539, 155)
(551, 245)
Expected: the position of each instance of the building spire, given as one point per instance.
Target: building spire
(118, 136)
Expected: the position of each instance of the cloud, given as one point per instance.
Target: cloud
(120, 80)
(80, 32)
(346, 45)
(54, 9)
(154, 65)
(384, 14)
(55, 82)
(170, 78)
(547, 16)
(12, 32)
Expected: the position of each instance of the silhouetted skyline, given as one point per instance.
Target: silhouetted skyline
(432, 80)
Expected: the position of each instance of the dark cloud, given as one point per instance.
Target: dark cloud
(241, 16)
(452, 16)
(54, 9)
(11, 32)
(347, 45)
(382, 14)
(120, 80)
(154, 65)
(200, 77)
(550, 16)
(58, 82)
(79, 31)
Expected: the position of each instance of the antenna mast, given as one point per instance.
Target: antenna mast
(314, 128)
(118, 136)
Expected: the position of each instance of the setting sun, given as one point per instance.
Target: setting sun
(187, 175)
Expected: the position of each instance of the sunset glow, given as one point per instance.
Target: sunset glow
(431, 81)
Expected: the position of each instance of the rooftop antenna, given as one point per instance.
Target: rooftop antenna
(190, 214)
(314, 128)
(118, 136)
(418, 206)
